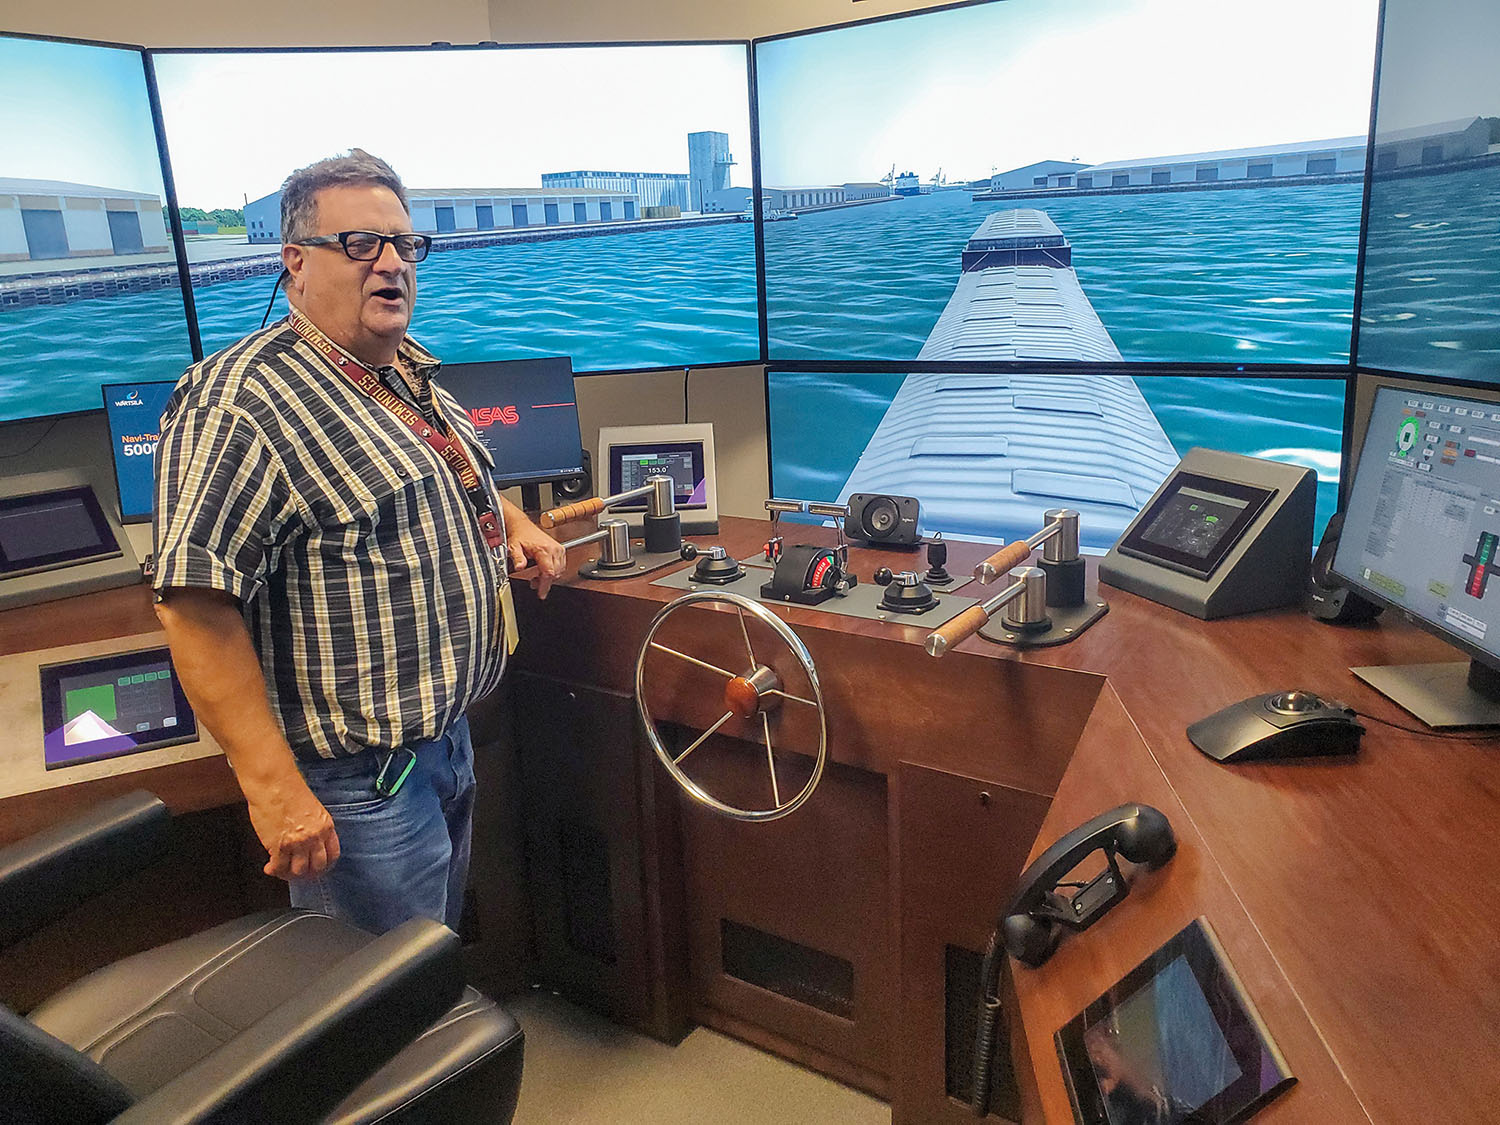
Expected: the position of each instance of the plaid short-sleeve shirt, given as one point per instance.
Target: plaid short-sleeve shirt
(367, 585)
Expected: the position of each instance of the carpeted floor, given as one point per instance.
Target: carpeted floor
(583, 1070)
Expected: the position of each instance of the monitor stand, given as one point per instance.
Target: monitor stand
(531, 498)
(1457, 694)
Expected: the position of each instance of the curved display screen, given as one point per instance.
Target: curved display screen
(1036, 181)
(1432, 275)
(569, 190)
(89, 287)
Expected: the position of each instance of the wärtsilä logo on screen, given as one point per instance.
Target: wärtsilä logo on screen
(132, 399)
(486, 416)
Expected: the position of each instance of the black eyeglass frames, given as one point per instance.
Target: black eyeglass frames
(367, 245)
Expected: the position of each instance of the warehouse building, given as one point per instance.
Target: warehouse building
(42, 219)
(1033, 175)
(653, 189)
(465, 210)
(1342, 155)
(1424, 145)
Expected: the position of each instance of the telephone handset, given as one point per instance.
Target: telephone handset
(1033, 923)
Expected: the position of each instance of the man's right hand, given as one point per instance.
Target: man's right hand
(294, 828)
(221, 673)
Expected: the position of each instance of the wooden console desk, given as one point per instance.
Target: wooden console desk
(1352, 896)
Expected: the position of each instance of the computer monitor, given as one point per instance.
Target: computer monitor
(133, 411)
(1420, 533)
(628, 455)
(527, 418)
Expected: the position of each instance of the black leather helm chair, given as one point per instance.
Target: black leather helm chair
(283, 1016)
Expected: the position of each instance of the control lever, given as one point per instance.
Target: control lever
(615, 535)
(904, 592)
(1027, 594)
(937, 562)
(662, 526)
(1060, 561)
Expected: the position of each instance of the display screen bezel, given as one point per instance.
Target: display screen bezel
(1240, 1024)
(51, 677)
(1137, 545)
(104, 546)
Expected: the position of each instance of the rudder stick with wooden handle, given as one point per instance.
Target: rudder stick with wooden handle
(569, 512)
(956, 630)
(1002, 561)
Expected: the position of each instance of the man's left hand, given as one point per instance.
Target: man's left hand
(528, 545)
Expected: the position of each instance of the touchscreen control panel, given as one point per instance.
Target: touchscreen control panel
(112, 705)
(1224, 534)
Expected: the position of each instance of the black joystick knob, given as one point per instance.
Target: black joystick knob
(904, 592)
(718, 566)
(689, 551)
(937, 561)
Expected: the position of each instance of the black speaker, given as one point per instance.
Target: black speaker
(1328, 598)
(889, 521)
(574, 488)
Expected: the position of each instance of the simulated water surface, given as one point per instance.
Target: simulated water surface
(1432, 275)
(1263, 275)
(821, 423)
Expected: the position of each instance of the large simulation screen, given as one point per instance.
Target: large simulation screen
(1432, 274)
(1423, 515)
(570, 191)
(987, 455)
(89, 288)
(1068, 180)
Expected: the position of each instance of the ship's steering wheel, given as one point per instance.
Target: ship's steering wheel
(757, 691)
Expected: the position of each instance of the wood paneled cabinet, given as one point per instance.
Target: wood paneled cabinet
(847, 936)
(605, 898)
(960, 844)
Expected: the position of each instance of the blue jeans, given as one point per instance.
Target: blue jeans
(400, 857)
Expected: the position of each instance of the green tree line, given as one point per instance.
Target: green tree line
(224, 216)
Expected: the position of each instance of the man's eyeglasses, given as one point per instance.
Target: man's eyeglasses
(367, 245)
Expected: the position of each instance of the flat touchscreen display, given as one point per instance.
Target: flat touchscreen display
(1174, 1041)
(1194, 522)
(112, 705)
(1160, 1055)
(631, 465)
(43, 530)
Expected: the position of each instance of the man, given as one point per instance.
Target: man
(331, 559)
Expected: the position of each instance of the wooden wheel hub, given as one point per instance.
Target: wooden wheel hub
(747, 695)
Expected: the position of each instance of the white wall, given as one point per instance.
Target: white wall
(87, 226)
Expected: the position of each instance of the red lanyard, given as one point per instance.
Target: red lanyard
(452, 452)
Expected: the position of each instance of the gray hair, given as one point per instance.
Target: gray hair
(356, 168)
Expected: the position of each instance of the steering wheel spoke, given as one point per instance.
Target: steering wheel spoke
(765, 722)
(755, 693)
(693, 660)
